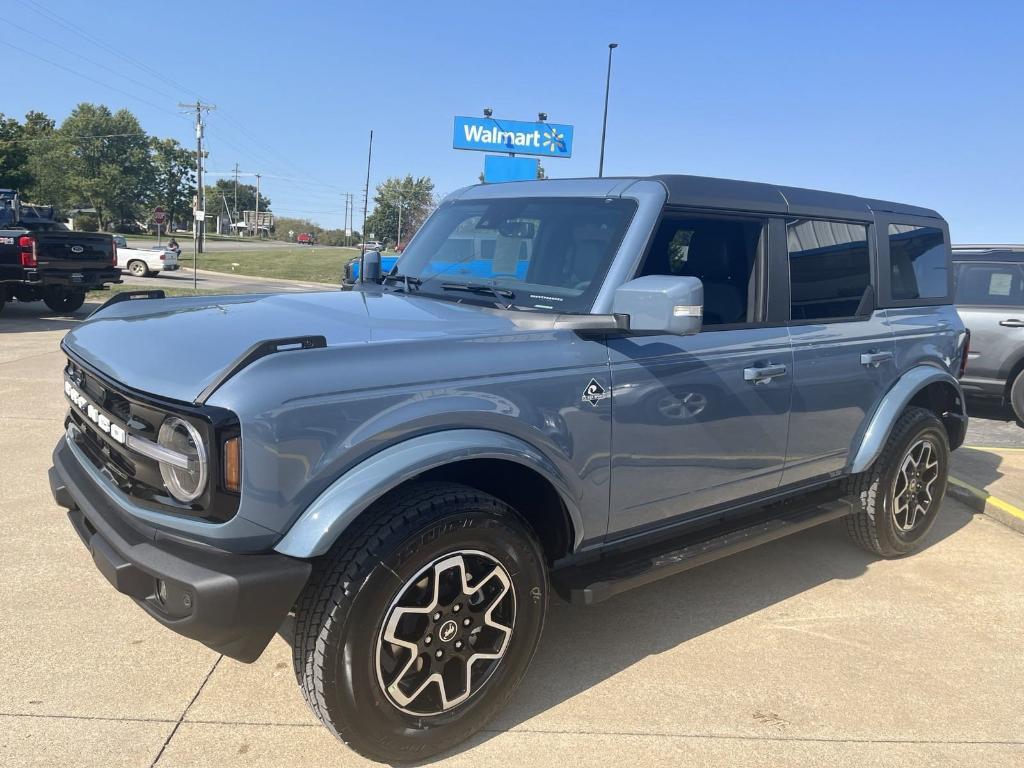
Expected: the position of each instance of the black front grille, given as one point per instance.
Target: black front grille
(118, 406)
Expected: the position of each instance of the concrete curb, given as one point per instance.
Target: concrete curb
(983, 502)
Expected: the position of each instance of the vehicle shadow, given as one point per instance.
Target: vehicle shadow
(29, 317)
(584, 646)
(991, 409)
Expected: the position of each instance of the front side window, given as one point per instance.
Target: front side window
(548, 253)
(918, 262)
(829, 268)
(993, 285)
(722, 252)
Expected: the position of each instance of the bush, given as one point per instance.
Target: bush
(87, 222)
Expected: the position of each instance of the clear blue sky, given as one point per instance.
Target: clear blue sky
(919, 102)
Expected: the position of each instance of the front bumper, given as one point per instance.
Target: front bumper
(231, 603)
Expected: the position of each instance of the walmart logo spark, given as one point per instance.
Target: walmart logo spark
(553, 140)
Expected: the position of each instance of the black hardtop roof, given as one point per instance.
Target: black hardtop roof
(708, 192)
(1012, 253)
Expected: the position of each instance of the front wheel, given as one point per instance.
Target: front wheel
(415, 629)
(900, 495)
(64, 301)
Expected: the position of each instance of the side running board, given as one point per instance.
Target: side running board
(255, 352)
(598, 580)
(117, 298)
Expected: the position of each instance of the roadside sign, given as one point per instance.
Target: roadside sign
(504, 168)
(159, 216)
(199, 214)
(489, 134)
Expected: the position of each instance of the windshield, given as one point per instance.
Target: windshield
(542, 253)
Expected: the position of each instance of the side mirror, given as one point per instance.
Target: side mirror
(370, 270)
(662, 303)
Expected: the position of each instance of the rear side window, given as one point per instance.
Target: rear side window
(829, 268)
(918, 262)
(993, 285)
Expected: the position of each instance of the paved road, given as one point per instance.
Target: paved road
(220, 281)
(805, 651)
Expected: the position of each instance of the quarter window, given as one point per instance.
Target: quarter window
(918, 262)
(721, 252)
(829, 269)
(994, 285)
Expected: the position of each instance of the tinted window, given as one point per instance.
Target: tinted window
(721, 252)
(551, 253)
(998, 285)
(829, 268)
(918, 262)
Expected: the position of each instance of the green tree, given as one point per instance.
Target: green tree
(174, 179)
(110, 167)
(414, 196)
(48, 160)
(224, 190)
(14, 155)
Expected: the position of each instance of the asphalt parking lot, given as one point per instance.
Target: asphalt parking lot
(803, 651)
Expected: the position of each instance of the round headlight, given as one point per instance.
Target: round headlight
(184, 483)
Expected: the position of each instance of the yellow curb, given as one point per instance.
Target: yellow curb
(994, 449)
(988, 498)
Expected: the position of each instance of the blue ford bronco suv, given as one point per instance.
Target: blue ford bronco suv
(568, 385)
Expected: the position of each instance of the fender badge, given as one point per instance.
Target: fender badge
(595, 393)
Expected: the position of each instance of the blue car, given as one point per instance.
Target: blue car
(573, 385)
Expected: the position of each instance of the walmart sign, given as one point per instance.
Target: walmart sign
(489, 134)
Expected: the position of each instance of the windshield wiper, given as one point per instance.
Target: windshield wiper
(407, 281)
(497, 293)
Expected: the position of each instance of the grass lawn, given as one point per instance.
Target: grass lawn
(312, 264)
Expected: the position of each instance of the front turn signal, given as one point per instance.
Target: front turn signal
(233, 464)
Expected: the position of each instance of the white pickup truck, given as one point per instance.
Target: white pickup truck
(144, 262)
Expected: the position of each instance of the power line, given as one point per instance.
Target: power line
(86, 77)
(56, 135)
(104, 44)
(82, 56)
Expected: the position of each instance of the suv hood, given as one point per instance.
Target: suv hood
(174, 348)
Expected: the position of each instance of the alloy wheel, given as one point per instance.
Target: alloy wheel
(445, 633)
(912, 488)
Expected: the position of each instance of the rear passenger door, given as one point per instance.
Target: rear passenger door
(844, 357)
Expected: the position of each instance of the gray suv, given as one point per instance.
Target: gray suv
(990, 298)
(579, 385)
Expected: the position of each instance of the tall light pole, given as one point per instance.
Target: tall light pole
(604, 123)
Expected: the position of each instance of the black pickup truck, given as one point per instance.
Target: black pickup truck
(40, 258)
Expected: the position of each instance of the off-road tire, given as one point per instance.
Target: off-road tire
(138, 268)
(872, 525)
(64, 302)
(3, 300)
(339, 616)
(1017, 397)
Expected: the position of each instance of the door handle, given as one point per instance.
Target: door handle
(1012, 323)
(875, 359)
(763, 374)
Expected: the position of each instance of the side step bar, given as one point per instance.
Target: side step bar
(601, 579)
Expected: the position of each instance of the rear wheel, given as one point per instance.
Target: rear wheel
(901, 493)
(414, 631)
(64, 301)
(138, 268)
(1017, 397)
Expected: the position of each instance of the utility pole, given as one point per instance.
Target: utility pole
(234, 209)
(198, 224)
(604, 123)
(399, 243)
(257, 205)
(366, 202)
